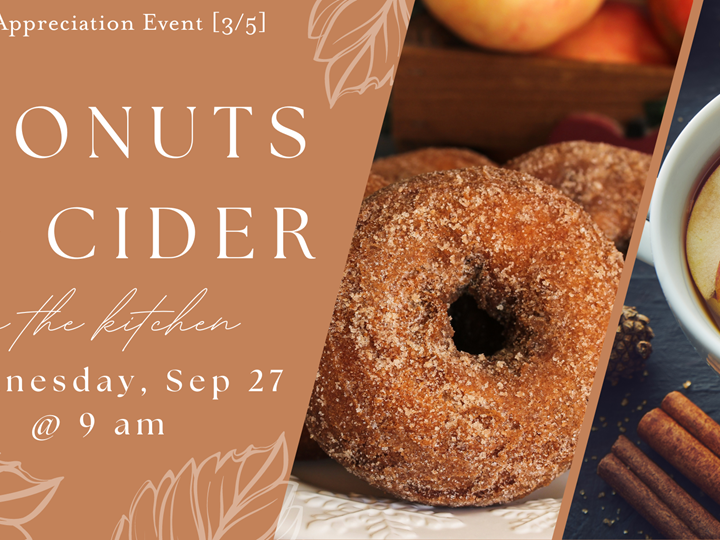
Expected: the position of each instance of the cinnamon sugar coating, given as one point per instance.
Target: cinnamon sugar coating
(397, 404)
(607, 181)
(386, 171)
(374, 183)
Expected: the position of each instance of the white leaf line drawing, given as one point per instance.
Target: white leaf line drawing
(380, 518)
(291, 514)
(26, 487)
(359, 57)
(214, 497)
(531, 517)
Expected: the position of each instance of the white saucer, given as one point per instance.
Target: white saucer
(324, 501)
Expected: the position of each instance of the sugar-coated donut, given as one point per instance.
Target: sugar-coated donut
(374, 183)
(607, 181)
(386, 171)
(398, 404)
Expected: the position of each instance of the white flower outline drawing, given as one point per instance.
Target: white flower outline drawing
(368, 53)
(35, 487)
(216, 496)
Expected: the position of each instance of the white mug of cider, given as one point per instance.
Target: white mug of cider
(682, 229)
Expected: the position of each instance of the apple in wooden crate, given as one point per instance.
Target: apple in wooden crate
(513, 25)
(619, 33)
(670, 18)
(703, 241)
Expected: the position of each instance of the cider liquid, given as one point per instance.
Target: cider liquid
(709, 168)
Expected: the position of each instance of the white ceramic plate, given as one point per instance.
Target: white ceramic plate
(324, 501)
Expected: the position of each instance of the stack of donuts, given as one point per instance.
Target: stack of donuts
(470, 319)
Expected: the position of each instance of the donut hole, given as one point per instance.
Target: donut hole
(475, 331)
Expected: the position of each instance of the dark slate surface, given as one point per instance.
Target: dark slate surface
(673, 363)
(701, 82)
(595, 511)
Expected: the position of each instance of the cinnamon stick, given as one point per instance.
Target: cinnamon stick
(641, 498)
(687, 509)
(682, 450)
(693, 419)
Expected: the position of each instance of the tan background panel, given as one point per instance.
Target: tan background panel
(283, 305)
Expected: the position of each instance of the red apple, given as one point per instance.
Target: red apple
(512, 25)
(618, 33)
(593, 127)
(670, 18)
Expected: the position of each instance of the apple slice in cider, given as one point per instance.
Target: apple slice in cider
(713, 303)
(703, 240)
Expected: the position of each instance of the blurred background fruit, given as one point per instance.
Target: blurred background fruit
(513, 25)
(670, 18)
(624, 31)
(502, 103)
(618, 33)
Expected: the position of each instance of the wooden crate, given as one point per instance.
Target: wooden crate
(446, 93)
